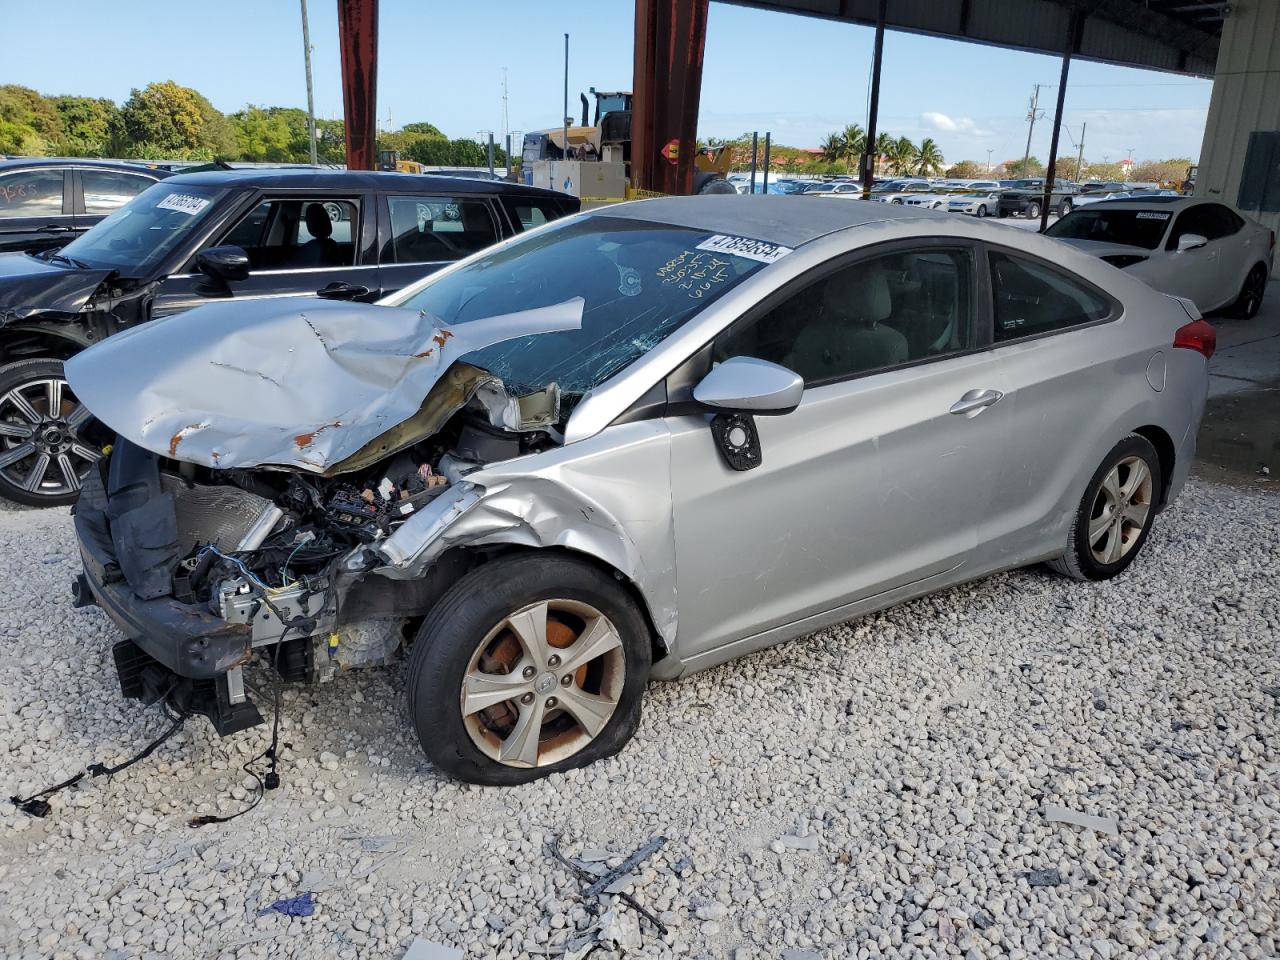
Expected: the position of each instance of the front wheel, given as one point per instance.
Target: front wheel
(982, 211)
(1064, 208)
(1033, 211)
(47, 442)
(1115, 514)
(529, 665)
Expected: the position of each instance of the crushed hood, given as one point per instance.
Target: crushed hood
(296, 384)
(29, 286)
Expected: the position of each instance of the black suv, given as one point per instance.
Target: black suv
(219, 235)
(46, 202)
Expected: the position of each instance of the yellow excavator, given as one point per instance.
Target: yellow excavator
(607, 136)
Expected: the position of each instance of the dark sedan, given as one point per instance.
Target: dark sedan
(46, 202)
(217, 236)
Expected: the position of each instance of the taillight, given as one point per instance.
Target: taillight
(1198, 335)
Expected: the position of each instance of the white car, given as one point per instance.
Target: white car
(898, 191)
(1199, 249)
(926, 201)
(1088, 199)
(974, 204)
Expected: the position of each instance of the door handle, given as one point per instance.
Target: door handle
(975, 401)
(341, 290)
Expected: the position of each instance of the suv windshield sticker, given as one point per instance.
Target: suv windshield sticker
(183, 203)
(745, 247)
(696, 272)
(1152, 215)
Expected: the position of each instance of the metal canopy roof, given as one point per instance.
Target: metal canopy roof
(1178, 36)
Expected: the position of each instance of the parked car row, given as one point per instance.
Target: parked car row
(216, 236)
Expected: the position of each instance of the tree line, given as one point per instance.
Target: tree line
(166, 121)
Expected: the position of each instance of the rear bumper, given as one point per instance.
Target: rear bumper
(185, 638)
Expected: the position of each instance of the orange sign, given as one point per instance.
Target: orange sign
(672, 151)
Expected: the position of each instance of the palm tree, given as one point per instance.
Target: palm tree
(832, 147)
(928, 157)
(900, 157)
(884, 146)
(853, 141)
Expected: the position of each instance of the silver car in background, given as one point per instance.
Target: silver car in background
(631, 444)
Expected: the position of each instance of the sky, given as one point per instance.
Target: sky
(798, 77)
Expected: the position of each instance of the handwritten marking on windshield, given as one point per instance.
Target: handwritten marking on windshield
(695, 272)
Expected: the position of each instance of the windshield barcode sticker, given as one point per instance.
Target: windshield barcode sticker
(1153, 215)
(745, 247)
(183, 203)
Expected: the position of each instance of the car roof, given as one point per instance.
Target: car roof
(8, 163)
(311, 178)
(789, 221)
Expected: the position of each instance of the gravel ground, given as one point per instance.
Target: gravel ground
(914, 751)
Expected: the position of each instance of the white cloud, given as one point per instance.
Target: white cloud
(941, 123)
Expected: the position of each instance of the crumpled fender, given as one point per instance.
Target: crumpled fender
(47, 292)
(546, 508)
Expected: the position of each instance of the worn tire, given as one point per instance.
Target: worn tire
(1078, 561)
(467, 612)
(1246, 306)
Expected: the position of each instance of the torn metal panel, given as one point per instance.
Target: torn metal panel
(33, 286)
(606, 496)
(301, 386)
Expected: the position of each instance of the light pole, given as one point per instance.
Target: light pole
(989, 152)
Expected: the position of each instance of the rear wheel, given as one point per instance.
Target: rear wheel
(1064, 207)
(1033, 211)
(1115, 514)
(46, 443)
(529, 665)
(1251, 294)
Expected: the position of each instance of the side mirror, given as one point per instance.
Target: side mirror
(229, 263)
(1191, 241)
(748, 385)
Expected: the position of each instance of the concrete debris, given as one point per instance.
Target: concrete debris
(1056, 814)
(426, 950)
(807, 843)
(593, 855)
(793, 954)
(621, 930)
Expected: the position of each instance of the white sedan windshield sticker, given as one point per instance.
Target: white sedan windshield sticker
(183, 203)
(1152, 215)
(745, 247)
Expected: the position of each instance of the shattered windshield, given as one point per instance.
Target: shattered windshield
(140, 234)
(640, 281)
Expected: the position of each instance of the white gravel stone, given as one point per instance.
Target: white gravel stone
(917, 748)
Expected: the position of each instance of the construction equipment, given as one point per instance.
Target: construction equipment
(597, 156)
(389, 161)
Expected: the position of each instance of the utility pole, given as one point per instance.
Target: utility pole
(1033, 115)
(1080, 155)
(989, 152)
(565, 114)
(311, 103)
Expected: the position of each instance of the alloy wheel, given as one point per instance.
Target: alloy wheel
(543, 683)
(1120, 510)
(1255, 286)
(41, 450)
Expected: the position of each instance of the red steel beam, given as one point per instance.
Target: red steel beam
(670, 39)
(358, 40)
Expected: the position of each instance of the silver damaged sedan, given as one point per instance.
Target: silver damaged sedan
(634, 443)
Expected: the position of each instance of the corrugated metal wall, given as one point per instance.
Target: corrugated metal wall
(1246, 97)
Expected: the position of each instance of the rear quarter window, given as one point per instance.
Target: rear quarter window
(1032, 298)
